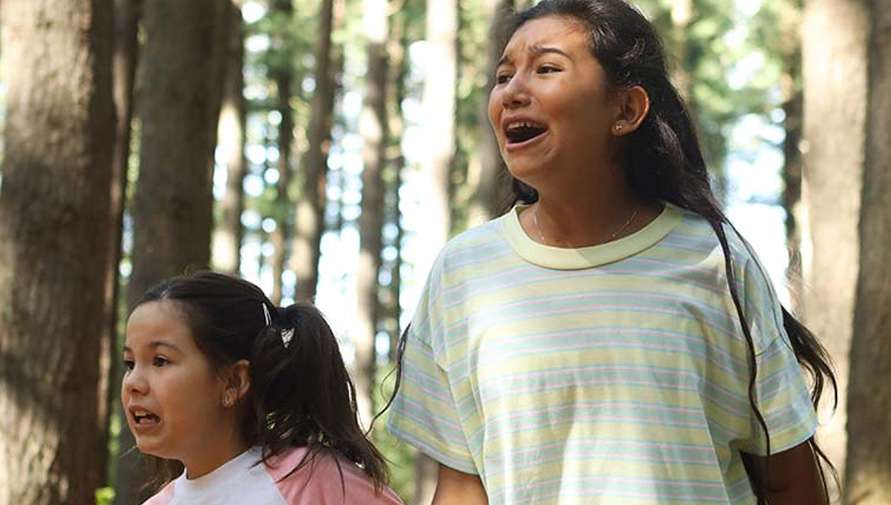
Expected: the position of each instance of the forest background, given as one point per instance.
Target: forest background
(326, 149)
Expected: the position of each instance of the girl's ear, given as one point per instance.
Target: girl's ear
(237, 382)
(634, 105)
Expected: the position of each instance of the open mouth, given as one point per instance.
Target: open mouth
(144, 418)
(523, 131)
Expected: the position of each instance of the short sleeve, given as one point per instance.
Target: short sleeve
(327, 479)
(781, 394)
(425, 412)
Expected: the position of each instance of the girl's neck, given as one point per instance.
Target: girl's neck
(213, 454)
(581, 222)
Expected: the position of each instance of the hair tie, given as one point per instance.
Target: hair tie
(286, 333)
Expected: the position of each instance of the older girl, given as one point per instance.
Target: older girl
(611, 339)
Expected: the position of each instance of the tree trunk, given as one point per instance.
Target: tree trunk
(55, 217)
(180, 94)
(125, 57)
(283, 75)
(868, 474)
(834, 70)
(681, 17)
(791, 197)
(373, 127)
(229, 233)
(399, 70)
(310, 212)
(439, 109)
(439, 112)
(493, 195)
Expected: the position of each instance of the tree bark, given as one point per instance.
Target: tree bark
(399, 70)
(868, 473)
(310, 211)
(181, 79)
(373, 127)
(681, 18)
(493, 195)
(229, 233)
(55, 217)
(439, 112)
(283, 75)
(124, 60)
(835, 72)
(439, 108)
(791, 197)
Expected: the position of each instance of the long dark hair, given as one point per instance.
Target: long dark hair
(663, 161)
(300, 395)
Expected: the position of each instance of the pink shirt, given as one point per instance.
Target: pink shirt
(240, 481)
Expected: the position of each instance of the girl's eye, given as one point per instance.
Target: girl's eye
(160, 361)
(502, 78)
(128, 365)
(547, 69)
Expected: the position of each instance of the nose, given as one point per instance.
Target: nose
(515, 92)
(134, 382)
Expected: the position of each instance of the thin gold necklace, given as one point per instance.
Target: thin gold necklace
(611, 237)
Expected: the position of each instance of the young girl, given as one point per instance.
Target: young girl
(240, 402)
(611, 339)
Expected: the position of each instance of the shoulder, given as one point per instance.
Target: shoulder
(488, 235)
(324, 478)
(696, 234)
(163, 497)
(478, 247)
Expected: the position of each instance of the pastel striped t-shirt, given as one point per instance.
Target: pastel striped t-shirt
(612, 374)
(327, 480)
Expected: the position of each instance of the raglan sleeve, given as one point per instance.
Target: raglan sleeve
(780, 391)
(427, 410)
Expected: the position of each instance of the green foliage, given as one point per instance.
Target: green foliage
(104, 496)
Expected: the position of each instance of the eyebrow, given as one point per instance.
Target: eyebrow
(537, 50)
(155, 344)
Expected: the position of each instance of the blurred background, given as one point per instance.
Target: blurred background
(326, 150)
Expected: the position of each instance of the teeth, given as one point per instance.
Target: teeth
(521, 124)
(140, 413)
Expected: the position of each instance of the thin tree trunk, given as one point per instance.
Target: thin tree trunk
(439, 112)
(229, 233)
(283, 76)
(180, 94)
(834, 45)
(792, 204)
(439, 108)
(310, 211)
(494, 191)
(125, 57)
(55, 218)
(399, 70)
(789, 49)
(681, 17)
(373, 127)
(868, 473)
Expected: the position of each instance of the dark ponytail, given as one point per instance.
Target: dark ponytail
(301, 394)
(663, 161)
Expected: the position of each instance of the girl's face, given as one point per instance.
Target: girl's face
(171, 395)
(550, 107)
